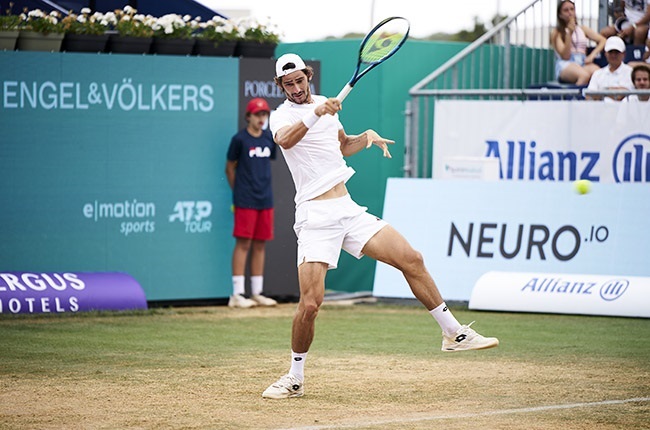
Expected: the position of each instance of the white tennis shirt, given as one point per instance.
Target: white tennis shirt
(316, 162)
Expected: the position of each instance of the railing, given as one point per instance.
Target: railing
(508, 62)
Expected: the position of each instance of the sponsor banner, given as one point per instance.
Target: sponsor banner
(27, 292)
(546, 141)
(465, 229)
(115, 163)
(560, 293)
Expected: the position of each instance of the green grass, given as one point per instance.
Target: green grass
(206, 368)
(166, 337)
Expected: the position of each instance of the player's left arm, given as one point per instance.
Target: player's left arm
(351, 144)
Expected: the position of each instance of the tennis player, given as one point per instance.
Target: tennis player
(307, 129)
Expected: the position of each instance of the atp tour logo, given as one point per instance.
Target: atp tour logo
(193, 214)
(631, 161)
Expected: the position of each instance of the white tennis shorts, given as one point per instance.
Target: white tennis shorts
(324, 227)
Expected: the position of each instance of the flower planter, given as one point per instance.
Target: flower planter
(128, 44)
(84, 42)
(33, 41)
(247, 48)
(210, 48)
(8, 40)
(165, 46)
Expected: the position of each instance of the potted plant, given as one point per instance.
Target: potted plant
(85, 32)
(172, 35)
(9, 29)
(133, 32)
(216, 37)
(41, 31)
(257, 39)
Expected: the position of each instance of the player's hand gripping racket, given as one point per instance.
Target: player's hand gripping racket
(378, 46)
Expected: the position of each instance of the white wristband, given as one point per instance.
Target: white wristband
(310, 119)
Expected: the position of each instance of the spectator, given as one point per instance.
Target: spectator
(570, 40)
(616, 75)
(248, 170)
(634, 28)
(641, 81)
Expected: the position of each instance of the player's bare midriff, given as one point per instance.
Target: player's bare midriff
(338, 190)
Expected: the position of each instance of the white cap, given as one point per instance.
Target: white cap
(288, 63)
(614, 43)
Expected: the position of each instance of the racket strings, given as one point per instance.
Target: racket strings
(385, 39)
(380, 46)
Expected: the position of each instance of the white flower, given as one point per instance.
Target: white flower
(86, 10)
(128, 9)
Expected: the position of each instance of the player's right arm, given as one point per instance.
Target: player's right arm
(289, 136)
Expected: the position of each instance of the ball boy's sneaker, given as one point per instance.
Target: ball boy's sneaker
(239, 301)
(263, 300)
(285, 387)
(466, 339)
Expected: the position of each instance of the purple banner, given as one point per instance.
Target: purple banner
(27, 292)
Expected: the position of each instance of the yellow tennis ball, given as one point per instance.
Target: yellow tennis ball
(582, 186)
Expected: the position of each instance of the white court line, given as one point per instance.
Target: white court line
(472, 415)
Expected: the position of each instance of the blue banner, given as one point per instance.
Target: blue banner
(115, 163)
(465, 229)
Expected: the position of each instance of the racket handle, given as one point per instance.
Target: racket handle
(344, 92)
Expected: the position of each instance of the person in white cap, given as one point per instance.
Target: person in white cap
(616, 75)
(314, 143)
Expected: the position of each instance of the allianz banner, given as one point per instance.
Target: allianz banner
(546, 141)
(116, 163)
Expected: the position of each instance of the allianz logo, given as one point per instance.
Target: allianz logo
(526, 160)
(609, 290)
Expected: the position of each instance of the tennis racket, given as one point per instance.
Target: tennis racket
(378, 46)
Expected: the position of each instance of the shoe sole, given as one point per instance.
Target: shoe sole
(487, 346)
(288, 396)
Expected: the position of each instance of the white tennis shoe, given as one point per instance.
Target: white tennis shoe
(284, 388)
(263, 300)
(466, 339)
(239, 301)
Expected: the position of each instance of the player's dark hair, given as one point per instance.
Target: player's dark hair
(308, 71)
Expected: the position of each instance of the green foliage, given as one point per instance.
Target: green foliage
(85, 23)
(40, 22)
(9, 21)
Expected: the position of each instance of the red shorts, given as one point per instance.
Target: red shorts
(254, 224)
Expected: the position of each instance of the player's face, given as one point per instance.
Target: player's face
(296, 87)
(642, 80)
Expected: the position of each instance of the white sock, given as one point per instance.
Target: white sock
(257, 284)
(238, 285)
(445, 319)
(298, 365)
